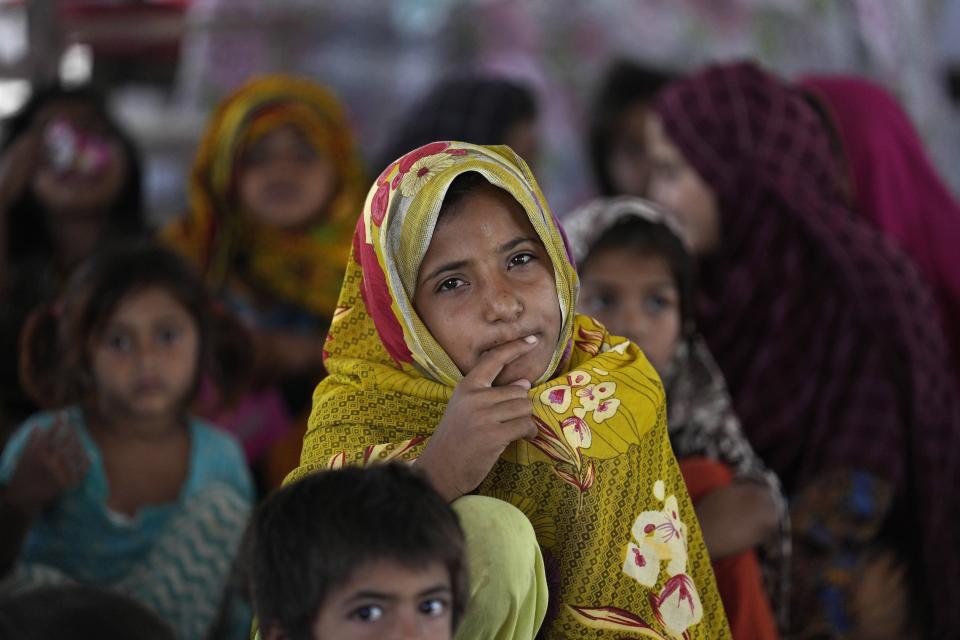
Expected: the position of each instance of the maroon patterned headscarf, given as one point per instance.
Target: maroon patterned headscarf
(825, 332)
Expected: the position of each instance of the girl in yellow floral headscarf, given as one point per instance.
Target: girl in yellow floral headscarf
(275, 190)
(456, 345)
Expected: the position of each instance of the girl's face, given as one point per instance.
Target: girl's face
(634, 296)
(678, 187)
(145, 360)
(384, 599)
(486, 280)
(628, 164)
(88, 182)
(284, 181)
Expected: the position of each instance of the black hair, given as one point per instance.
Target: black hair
(462, 186)
(54, 359)
(307, 539)
(652, 238)
(625, 84)
(474, 109)
(28, 234)
(78, 611)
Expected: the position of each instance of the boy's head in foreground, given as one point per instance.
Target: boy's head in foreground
(357, 553)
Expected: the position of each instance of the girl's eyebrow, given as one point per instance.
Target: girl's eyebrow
(449, 266)
(513, 244)
(459, 264)
(436, 590)
(371, 595)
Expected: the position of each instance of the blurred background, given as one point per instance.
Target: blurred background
(166, 63)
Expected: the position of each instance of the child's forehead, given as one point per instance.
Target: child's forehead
(494, 207)
(392, 578)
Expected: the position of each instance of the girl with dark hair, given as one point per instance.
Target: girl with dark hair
(638, 280)
(276, 187)
(107, 485)
(69, 179)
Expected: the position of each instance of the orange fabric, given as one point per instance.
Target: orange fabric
(738, 577)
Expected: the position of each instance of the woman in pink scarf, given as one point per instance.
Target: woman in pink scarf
(829, 342)
(895, 186)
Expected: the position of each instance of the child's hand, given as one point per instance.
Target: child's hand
(18, 165)
(736, 518)
(52, 462)
(479, 423)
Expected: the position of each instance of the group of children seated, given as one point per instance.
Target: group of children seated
(730, 410)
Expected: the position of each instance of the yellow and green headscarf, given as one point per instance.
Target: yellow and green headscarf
(600, 483)
(304, 268)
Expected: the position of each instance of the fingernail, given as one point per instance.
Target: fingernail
(530, 339)
(522, 383)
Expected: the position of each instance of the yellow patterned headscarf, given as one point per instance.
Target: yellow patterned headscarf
(599, 483)
(305, 267)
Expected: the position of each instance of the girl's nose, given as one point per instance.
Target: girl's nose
(633, 324)
(407, 627)
(503, 304)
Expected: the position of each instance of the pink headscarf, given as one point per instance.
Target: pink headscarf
(895, 186)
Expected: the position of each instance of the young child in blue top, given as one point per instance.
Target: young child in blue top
(118, 486)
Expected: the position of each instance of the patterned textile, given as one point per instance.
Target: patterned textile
(895, 186)
(825, 333)
(700, 417)
(303, 268)
(173, 558)
(599, 483)
(837, 519)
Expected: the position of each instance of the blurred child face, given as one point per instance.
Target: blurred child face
(385, 600)
(486, 280)
(628, 164)
(80, 187)
(145, 360)
(634, 296)
(678, 187)
(284, 181)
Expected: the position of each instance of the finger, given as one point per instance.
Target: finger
(60, 470)
(521, 428)
(489, 396)
(508, 410)
(491, 363)
(70, 469)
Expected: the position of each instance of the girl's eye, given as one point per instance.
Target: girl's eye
(168, 335)
(657, 304)
(369, 613)
(255, 158)
(433, 607)
(450, 284)
(119, 342)
(305, 153)
(666, 170)
(600, 302)
(521, 259)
